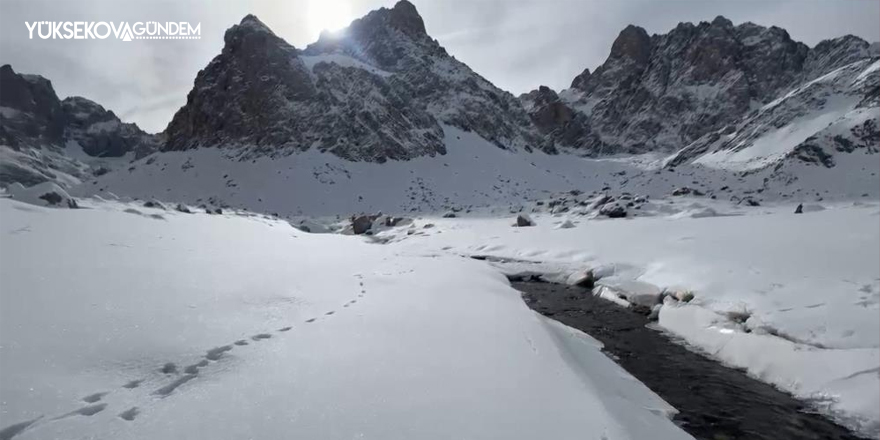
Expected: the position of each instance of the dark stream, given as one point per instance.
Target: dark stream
(715, 402)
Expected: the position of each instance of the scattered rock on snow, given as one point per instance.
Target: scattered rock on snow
(52, 198)
(154, 204)
(567, 224)
(584, 278)
(361, 224)
(524, 220)
(799, 209)
(613, 210)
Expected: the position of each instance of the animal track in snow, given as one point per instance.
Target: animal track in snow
(194, 368)
(133, 384)
(129, 414)
(168, 389)
(187, 374)
(215, 353)
(92, 398)
(87, 411)
(13, 430)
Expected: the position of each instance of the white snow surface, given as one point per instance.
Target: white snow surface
(809, 285)
(420, 344)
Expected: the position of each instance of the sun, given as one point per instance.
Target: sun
(330, 15)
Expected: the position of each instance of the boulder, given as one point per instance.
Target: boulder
(585, 278)
(361, 224)
(613, 210)
(524, 220)
(52, 198)
(799, 209)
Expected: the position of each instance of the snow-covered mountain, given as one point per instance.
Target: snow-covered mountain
(836, 113)
(375, 91)
(378, 116)
(660, 93)
(43, 138)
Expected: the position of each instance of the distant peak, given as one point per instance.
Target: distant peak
(722, 21)
(633, 42)
(251, 21)
(405, 17)
(251, 29)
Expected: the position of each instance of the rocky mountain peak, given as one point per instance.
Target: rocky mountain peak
(722, 21)
(633, 43)
(405, 17)
(32, 113)
(256, 73)
(836, 52)
(392, 39)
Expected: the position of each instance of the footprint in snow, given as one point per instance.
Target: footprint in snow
(87, 411)
(129, 414)
(261, 336)
(311, 320)
(168, 389)
(133, 384)
(13, 430)
(330, 312)
(284, 329)
(194, 368)
(92, 398)
(169, 368)
(241, 342)
(215, 353)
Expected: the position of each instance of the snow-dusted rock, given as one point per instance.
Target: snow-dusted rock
(566, 224)
(613, 210)
(524, 220)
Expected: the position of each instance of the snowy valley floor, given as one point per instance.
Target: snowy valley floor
(119, 322)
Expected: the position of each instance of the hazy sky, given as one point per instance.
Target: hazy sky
(516, 44)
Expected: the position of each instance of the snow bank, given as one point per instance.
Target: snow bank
(813, 278)
(843, 379)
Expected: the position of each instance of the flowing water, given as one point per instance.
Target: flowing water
(715, 402)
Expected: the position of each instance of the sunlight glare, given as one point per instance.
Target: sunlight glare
(331, 15)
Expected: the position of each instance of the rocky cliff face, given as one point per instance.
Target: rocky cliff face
(660, 93)
(377, 90)
(259, 93)
(30, 111)
(835, 113)
(38, 131)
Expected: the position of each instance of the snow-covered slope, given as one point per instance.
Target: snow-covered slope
(473, 173)
(834, 114)
(238, 326)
